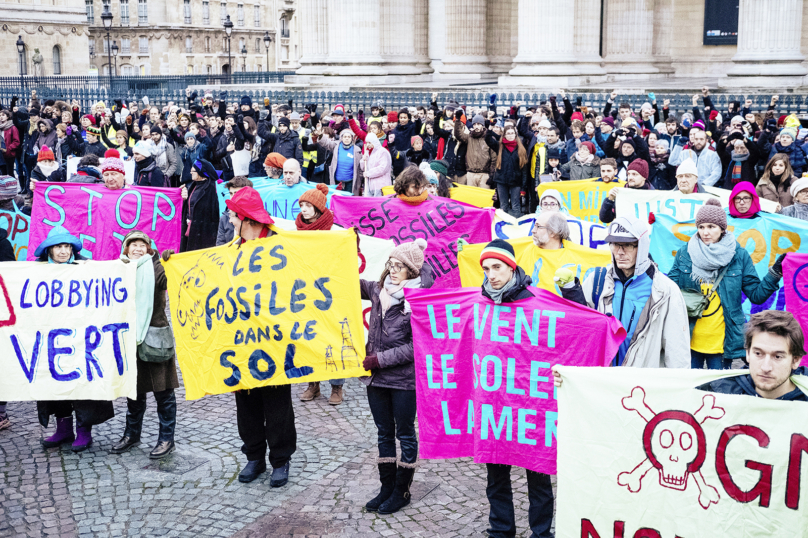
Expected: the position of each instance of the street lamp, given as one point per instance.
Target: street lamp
(106, 18)
(21, 59)
(228, 29)
(267, 41)
(244, 52)
(115, 55)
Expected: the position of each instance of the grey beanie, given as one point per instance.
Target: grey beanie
(478, 119)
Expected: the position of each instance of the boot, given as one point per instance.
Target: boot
(64, 433)
(387, 476)
(336, 395)
(84, 438)
(401, 494)
(311, 392)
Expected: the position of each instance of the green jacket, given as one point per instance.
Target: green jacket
(740, 277)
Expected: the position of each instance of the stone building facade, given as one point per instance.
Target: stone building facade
(547, 42)
(178, 37)
(57, 28)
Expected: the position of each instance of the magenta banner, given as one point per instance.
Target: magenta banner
(100, 217)
(438, 220)
(795, 283)
(483, 380)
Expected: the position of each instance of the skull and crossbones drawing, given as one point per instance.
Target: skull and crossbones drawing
(674, 444)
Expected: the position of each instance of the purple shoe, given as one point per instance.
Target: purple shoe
(84, 438)
(64, 433)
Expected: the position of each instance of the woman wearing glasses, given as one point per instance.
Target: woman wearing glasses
(551, 200)
(744, 201)
(391, 385)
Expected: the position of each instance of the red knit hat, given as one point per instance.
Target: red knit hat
(589, 145)
(112, 161)
(45, 154)
(392, 117)
(318, 197)
(89, 117)
(639, 166)
(577, 116)
(247, 204)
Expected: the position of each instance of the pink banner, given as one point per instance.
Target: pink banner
(101, 218)
(483, 379)
(795, 283)
(438, 220)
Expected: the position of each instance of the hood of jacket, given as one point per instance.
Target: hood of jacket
(48, 125)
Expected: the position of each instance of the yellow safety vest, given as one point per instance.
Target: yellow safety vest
(308, 156)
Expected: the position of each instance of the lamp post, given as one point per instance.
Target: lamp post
(21, 59)
(267, 41)
(115, 55)
(244, 52)
(228, 30)
(106, 18)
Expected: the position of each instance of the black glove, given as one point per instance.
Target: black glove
(493, 99)
(194, 96)
(14, 100)
(167, 254)
(778, 265)
(223, 95)
(459, 114)
(240, 119)
(578, 101)
(291, 103)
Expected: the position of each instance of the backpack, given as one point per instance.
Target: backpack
(597, 285)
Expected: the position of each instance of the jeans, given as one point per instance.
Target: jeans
(394, 412)
(510, 199)
(347, 186)
(166, 412)
(501, 517)
(715, 361)
(266, 419)
(337, 382)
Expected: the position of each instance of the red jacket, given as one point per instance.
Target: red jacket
(12, 138)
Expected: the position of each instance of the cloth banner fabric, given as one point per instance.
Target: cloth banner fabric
(280, 201)
(18, 226)
(539, 264)
(644, 453)
(284, 309)
(584, 197)
(582, 232)
(68, 331)
(476, 196)
(72, 166)
(795, 283)
(764, 237)
(682, 207)
(439, 221)
(483, 382)
(100, 218)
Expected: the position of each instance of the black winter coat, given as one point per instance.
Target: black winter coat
(608, 211)
(149, 175)
(56, 177)
(662, 176)
(509, 173)
(202, 209)
(6, 248)
(519, 291)
(390, 338)
(743, 384)
(98, 149)
(287, 144)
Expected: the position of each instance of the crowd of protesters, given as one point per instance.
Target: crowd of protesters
(420, 152)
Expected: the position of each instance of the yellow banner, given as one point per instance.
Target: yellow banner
(475, 196)
(582, 198)
(274, 311)
(540, 264)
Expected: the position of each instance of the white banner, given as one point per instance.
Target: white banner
(683, 207)
(582, 232)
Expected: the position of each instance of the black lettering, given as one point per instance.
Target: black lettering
(387, 212)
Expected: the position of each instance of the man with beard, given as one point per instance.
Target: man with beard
(707, 161)
(479, 155)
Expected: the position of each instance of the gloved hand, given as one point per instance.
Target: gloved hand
(461, 243)
(459, 114)
(69, 130)
(778, 265)
(167, 254)
(291, 103)
(651, 96)
(266, 101)
(493, 99)
(371, 362)
(563, 276)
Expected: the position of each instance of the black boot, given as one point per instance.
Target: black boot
(401, 494)
(387, 476)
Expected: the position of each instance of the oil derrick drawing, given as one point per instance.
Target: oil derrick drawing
(329, 359)
(348, 350)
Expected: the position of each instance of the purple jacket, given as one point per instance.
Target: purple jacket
(391, 338)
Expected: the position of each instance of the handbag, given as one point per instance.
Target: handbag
(696, 301)
(158, 346)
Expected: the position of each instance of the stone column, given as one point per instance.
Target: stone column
(466, 39)
(354, 38)
(587, 37)
(663, 35)
(398, 36)
(769, 35)
(503, 34)
(629, 37)
(422, 35)
(314, 47)
(437, 34)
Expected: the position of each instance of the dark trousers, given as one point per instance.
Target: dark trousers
(500, 496)
(394, 412)
(510, 199)
(715, 361)
(266, 419)
(166, 412)
(347, 186)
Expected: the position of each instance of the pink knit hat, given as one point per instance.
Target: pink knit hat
(112, 161)
(411, 254)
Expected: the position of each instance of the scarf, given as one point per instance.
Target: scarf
(584, 161)
(510, 145)
(414, 200)
(6, 125)
(477, 134)
(89, 171)
(324, 222)
(707, 260)
(392, 295)
(159, 153)
(144, 294)
(441, 148)
(775, 179)
(737, 166)
(49, 169)
(497, 295)
(657, 158)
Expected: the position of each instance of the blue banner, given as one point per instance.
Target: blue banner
(764, 237)
(280, 201)
(17, 224)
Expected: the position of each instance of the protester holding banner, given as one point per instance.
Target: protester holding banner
(201, 208)
(226, 231)
(744, 202)
(776, 180)
(87, 171)
(147, 173)
(273, 165)
(8, 193)
(391, 385)
(61, 247)
(156, 369)
(714, 259)
(636, 178)
(506, 282)
(799, 192)
(633, 289)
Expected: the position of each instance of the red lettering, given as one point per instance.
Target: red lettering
(799, 444)
(18, 220)
(763, 487)
(647, 533)
(588, 529)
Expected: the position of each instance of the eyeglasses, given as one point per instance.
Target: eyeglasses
(625, 247)
(743, 199)
(394, 267)
(549, 204)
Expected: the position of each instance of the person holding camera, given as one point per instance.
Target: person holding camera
(740, 154)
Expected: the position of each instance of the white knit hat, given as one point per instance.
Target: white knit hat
(142, 148)
(797, 186)
(545, 123)
(687, 167)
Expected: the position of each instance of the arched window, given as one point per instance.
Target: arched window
(57, 60)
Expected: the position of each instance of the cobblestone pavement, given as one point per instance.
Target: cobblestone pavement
(195, 492)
